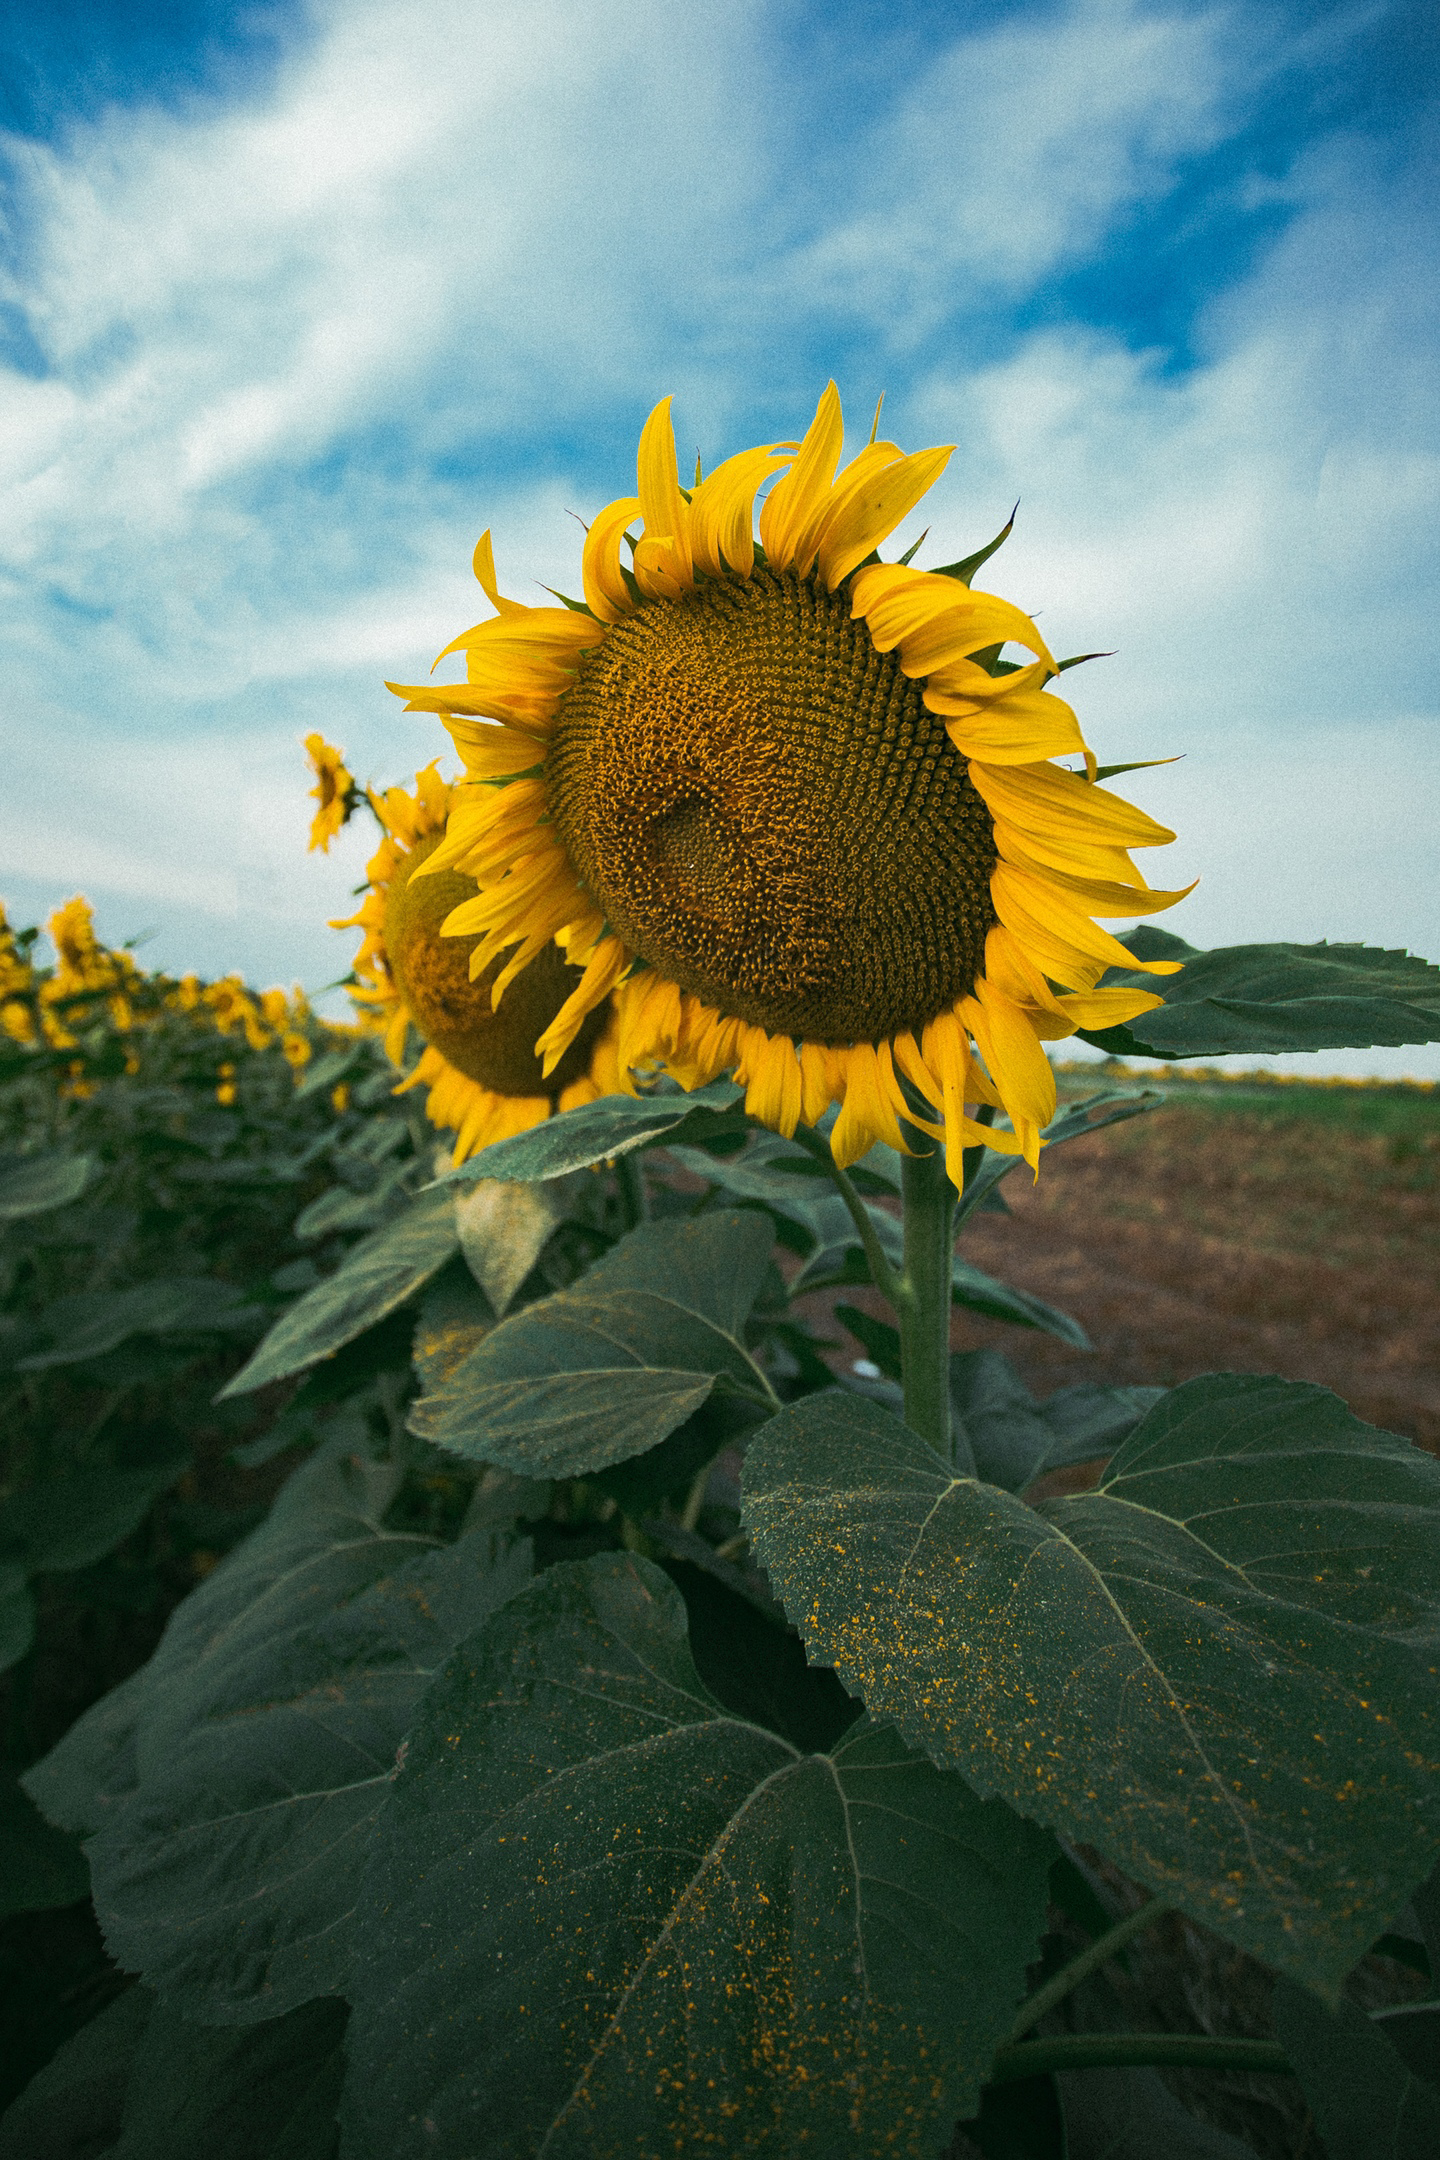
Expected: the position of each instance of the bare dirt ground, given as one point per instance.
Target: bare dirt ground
(1239, 1229)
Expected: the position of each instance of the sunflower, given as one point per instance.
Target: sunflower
(334, 791)
(793, 800)
(479, 1064)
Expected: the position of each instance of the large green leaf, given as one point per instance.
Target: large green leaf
(17, 1613)
(32, 1184)
(262, 2092)
(91, 1774)
(1219, 1667)
(1365, 2097)
(73, 2109)
(601, 1131)
(504, 1227)
(599, 1372)
(605, 1917)
(71, 1522)
(380, 1274)
(1249, 999)
(264, 1743)
(89, 1322)
(40, 1867)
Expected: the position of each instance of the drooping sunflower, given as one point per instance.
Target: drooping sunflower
(334, 791)
(795, 801)
(479, 1063)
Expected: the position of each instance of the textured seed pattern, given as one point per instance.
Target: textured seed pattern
(764, 809)
(454, 1013)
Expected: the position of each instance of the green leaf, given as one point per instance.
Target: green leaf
(380, 1274)
(71, 1522)
(601, 1131)
(606, 1369)
(504, 1227)
(1133, 2115)
(603, 1915)
(32, 1184)
(17, 1613)
(776, 1175)
(259, 2092)
(1015, 1439)
(1245, 1000)
(72, 2110)
(40, 1867)
(91, 1774)
(1218, 1667)
(1364, 2097)
(265, 1743)
(88, 1323)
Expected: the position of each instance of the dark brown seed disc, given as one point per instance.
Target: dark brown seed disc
(765, 810)
(432, 973)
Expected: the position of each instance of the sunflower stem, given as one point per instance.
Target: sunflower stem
(1098, 2051)
(1090, 1960)
(924, 1310)
(882, 1274)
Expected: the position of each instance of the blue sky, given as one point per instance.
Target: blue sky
(295, 300)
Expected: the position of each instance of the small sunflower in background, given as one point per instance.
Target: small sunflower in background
(795, 801)
(334, 790)
(479, 1063)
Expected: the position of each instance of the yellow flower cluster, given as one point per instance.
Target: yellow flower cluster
(45, 1005)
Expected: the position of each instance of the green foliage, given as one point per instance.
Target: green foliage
(815, 1949)
(474, 1753)
(1218, 1667)
(596, 1374)
(1373, 2084)
(1255, 999)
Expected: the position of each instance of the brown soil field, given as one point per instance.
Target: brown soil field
(1243, 1227)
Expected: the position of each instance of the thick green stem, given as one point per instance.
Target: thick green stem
(1099, 1953)
(1113, 2051)
(634, 1200)
(924, 1311)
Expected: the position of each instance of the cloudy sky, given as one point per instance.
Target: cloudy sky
(295, 299)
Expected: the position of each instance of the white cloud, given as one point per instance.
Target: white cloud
(1016, 150)
(299, 345)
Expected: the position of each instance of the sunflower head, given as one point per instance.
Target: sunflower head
(479, 1062)
(334, 791)
(797, 801)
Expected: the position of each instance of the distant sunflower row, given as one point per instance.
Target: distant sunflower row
(768, 806)
(51, 1007)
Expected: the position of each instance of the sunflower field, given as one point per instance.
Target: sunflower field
(490, 1671)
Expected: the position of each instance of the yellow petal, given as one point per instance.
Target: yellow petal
(722, 510)
(606, 966)
(664, 509)
(483, 563)
(793, 501)
(1015, 730)
(1055, 801)
(872, 1106)
(1097, 896)
(491, 751)
(606, 593)
(1108, 1008)
(869, 507)
(773, 1090)
(1063, 942)
(936, 621)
